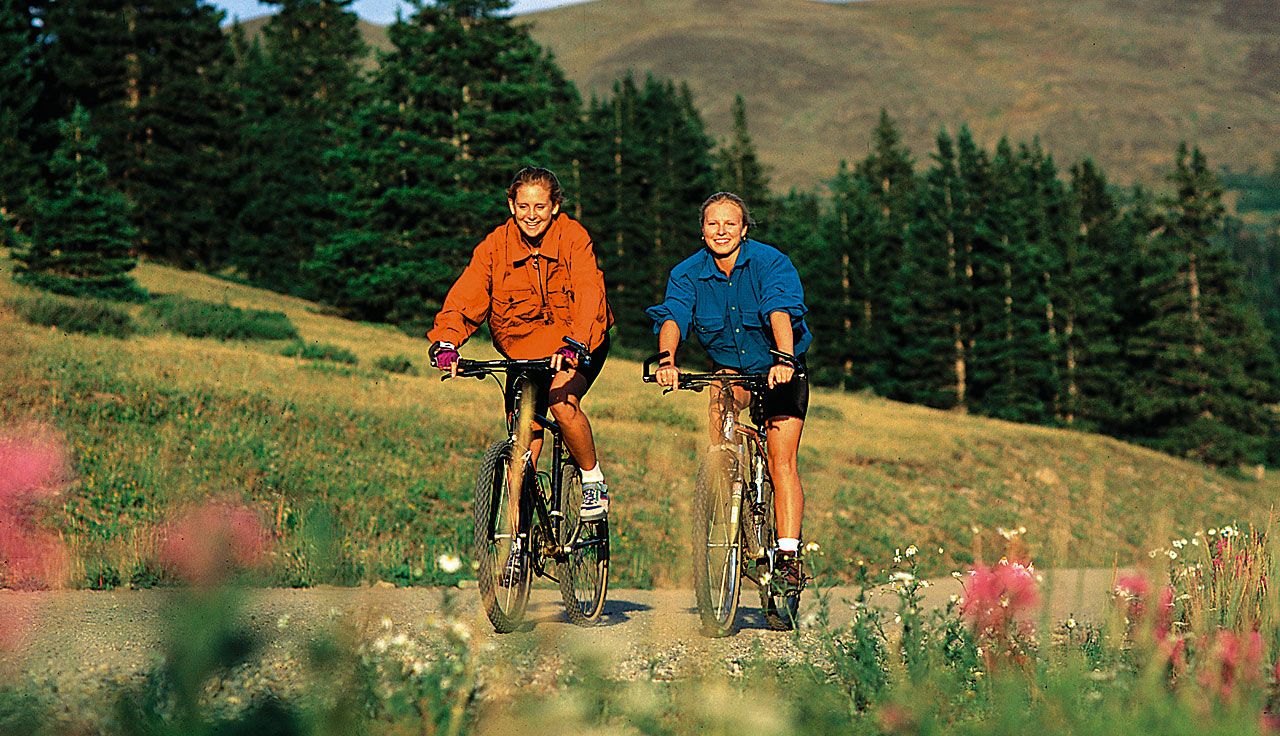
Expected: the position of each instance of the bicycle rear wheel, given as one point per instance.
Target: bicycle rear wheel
(504, 599)
(717, 544)
(584, 570)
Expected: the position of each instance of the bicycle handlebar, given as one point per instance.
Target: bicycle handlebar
(697, 381)
(481, 368)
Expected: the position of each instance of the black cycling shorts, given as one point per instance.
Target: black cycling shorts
(791, 399)
(542, 380)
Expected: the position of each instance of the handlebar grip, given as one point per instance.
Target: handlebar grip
(584, 354)
(648, 376)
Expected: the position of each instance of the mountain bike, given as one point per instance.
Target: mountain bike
(734, 529)
(514, 500)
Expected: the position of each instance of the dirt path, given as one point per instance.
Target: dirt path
(81, 632)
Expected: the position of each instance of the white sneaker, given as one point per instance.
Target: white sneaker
(595, 501)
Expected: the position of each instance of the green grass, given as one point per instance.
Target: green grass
(197, 318)
(385, 461)
(319, 351)
(86, 316)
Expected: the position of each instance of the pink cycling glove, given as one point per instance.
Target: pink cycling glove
(443, 355)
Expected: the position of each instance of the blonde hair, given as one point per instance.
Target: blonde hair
(731, 198)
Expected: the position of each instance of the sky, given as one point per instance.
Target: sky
(382, 12)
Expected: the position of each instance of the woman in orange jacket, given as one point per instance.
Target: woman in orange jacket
(535, 279)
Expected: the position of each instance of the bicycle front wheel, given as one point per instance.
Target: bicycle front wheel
(717, 544)
(583, 569)
(504, 596)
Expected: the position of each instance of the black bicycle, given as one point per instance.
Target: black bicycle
(734, 529)
(543, 514)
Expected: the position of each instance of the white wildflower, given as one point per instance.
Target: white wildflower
(449, 563)
(911, 551)
(812, 547)
(902, 576)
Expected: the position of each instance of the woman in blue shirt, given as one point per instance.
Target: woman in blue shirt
(742, 298)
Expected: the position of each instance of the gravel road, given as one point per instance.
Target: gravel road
(64, 631)
(78, 645)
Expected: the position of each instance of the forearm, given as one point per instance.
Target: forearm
(669, 340)
(783, 336)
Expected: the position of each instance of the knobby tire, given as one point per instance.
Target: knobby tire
(504, 603)
(717, 545)
(583, 573)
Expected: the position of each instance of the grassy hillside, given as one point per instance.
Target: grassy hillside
(381, 464)
(1121, 80)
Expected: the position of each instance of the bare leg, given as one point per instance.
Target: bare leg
(565, 398)
(788, 494)
(717, 405)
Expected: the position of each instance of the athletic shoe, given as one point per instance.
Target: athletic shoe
(595, 501)
(788, 576)
(513, 569)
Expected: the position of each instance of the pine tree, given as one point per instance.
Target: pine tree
(934, 312)
(850, 232)
(82, 241)
(797, 226)
(1029, 211)
(464, 100)
(617, 159)
(20, 90)
(646, 172)
(153, 77)
(891, 183)
(737, 165)
(1096, 266)
(1209, 375)
(298, 88)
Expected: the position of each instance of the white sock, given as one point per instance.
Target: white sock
(787, 544)
(594, 475)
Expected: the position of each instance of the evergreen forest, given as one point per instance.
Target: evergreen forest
(984, 279)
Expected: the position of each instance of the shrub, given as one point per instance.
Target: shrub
(396, 364)
(195, 318)
(75, 315)
(319, 351)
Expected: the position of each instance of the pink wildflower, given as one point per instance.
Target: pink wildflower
(1233, 660)
(996, 596)
(208, 543)
(1132, 586)
(33, 465)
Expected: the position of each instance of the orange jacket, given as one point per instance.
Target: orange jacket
(531, 302)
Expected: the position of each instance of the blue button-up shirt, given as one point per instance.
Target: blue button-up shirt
(730, 314)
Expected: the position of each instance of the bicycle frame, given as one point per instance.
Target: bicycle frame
(744, 452)
(545, 505)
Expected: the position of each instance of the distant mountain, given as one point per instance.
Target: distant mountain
(373, 34)
(1120, 80)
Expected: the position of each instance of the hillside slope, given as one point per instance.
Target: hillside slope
(1120, 80)
(363, 474)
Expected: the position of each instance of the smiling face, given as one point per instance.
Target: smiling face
(532, 209)
(723, 228)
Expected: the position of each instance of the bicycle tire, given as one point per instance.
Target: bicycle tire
(717, 545)
(583, 573)
(504, 601)
(780, 611)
